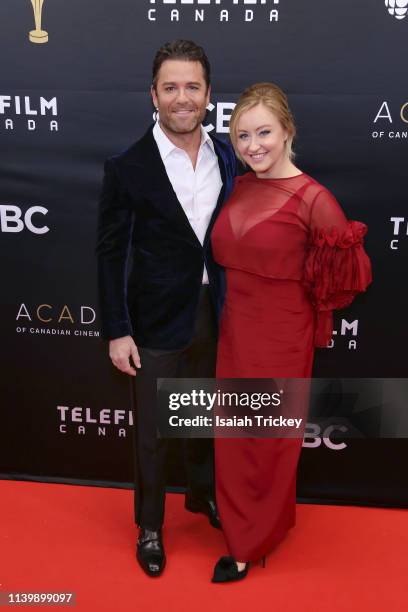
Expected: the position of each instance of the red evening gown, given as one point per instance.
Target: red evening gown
(291, 257)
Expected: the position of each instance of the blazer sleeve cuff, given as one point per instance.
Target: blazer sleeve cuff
(112, 331)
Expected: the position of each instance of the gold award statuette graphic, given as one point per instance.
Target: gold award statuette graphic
(38, 35)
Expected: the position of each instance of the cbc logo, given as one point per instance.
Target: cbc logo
(12, 219)
(314, 436)
(397, 8)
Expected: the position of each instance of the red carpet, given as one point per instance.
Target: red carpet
(68, 538)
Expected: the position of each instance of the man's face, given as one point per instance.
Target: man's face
(181, 95)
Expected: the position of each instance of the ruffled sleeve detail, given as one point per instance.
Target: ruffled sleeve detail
(337, 269)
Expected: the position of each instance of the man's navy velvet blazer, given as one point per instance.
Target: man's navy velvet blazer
(150, 262)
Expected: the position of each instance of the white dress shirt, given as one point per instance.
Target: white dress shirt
(197, 189)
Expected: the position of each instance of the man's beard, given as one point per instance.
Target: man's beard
(173, 126)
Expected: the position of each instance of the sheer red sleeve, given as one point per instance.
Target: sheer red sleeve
(337, 267)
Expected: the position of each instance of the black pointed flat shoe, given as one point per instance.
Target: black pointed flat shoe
(226, 570)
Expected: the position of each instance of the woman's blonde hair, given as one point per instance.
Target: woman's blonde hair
(275, 100)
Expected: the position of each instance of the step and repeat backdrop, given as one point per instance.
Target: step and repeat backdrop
(74, 83)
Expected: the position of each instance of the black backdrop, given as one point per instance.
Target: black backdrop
(67, 104)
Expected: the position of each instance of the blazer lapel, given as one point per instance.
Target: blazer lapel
(157, 187)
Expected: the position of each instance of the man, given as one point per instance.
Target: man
(159, 201)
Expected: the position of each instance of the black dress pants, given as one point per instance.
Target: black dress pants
(197, 360)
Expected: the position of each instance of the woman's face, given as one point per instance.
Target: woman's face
(261, 140)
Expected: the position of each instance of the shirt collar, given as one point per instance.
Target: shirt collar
(205, 138)
(166, 146)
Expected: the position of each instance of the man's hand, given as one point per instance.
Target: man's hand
(120, 351)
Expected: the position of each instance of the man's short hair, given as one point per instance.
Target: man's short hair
(180, 49)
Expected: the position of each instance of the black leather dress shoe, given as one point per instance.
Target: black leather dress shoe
(150, 552)
(203, 506)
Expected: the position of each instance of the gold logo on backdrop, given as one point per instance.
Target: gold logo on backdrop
(38, 35)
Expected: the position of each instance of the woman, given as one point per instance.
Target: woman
(291, 257)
